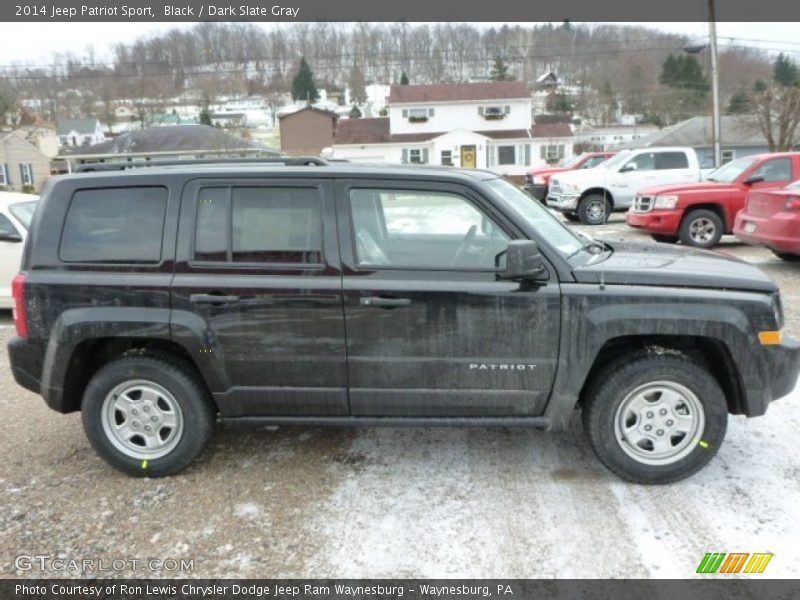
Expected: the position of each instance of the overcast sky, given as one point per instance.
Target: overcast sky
(36, 42)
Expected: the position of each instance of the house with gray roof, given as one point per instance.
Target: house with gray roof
(740, 136)
(182, 142)
(80, 132)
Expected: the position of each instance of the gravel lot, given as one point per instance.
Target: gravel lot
(398, 502)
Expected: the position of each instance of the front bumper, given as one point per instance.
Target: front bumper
(780, 232)
(657, 221)
(783, 365)
(538, 191)
(563, 202)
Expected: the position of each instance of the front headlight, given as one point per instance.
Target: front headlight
(569, 188)
(538, 180)
(665, 202)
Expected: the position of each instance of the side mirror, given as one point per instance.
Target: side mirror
(628, 167)
(10, 236)
(524, 261)
(753, 179)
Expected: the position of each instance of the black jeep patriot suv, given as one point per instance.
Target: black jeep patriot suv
(156, 300)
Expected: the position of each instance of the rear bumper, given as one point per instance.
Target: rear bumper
(657, 221)
(26, 363)
(780, 232)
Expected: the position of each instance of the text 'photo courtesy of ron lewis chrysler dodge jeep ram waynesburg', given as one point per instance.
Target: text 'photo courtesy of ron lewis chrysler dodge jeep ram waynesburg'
(159, 300)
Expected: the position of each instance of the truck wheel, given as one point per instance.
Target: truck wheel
(572, 217)
(787, 257)
(701, 228)
(147, 416)
(663, 238)
(655, 419)
(594, 209)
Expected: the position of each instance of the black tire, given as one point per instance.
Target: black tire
(572, 217)
(198, 412)
(663, 238)
(619, 381)
(701, 228)
(594, 209)
(786, 256)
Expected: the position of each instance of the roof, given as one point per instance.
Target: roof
(458, 92)
(737, 130)
(83, 126)
(322, 111)
(169, 138)
(376, 131)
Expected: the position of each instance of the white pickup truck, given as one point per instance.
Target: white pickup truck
(589, 195)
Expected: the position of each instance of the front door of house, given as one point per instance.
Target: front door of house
(468, 157)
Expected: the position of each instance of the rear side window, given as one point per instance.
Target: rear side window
(259, 225)
(23, 211)
(6, 226)
(671, 160)
(115, 225)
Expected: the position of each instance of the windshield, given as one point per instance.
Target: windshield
(729, 172)
(23, 211)
(615, 160)
(538, 217)
(573, 161)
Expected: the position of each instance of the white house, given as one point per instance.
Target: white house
(124, 112)
(471, 125)
(607, 138)
(80, 132)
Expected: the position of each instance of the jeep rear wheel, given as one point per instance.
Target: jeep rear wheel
(594, 209)
(147, 416)
(701, 228)
(655, 419)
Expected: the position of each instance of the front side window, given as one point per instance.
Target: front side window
(418, 229)
(506, 155)
(777, 169)
(642, 162)
(114, 225)
(259, 225)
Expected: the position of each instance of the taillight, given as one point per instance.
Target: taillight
(792, 204)
(18, 292)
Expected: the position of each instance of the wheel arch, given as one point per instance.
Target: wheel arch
(717, 209)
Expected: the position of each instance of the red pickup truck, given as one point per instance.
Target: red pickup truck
(772, 219)
(537, 179)
(700, 213)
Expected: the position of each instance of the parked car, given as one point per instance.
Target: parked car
(698, 214)
(590, 195)
(156, 299)
(772, 219)
(537, 179)
(16, 211)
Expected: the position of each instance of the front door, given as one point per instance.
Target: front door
(431, 330)
(258, 277)
(468, 157)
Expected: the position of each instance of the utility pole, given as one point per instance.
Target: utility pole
(716, 128)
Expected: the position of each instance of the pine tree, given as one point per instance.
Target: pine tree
(303, 86)
(785, 71)
(403, 78)
(205, 116)
(499, 71)
(739, 103)
(358, 88)
(354, 112)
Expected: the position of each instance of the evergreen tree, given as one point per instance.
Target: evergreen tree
(303, 86)
(499, 71)
(205, 116)
(739, 103)
(785, 71)
(354, 112)
(403, 78)
(358, 87)
(759, 86)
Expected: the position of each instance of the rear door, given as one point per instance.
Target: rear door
(431, 330)
(258, 273)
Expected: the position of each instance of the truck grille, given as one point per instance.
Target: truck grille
(643, 204)
(555, 187)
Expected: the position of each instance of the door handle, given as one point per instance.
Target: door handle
(212, 299)
(384, 302)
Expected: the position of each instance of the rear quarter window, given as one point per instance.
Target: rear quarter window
(114, 225)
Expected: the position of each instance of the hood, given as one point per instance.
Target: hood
(698, 187)
(540, 171)
(637, 263)
(594, 176)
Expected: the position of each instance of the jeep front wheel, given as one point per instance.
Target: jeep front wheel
(594, 209)
(655, 419)
(147, 416)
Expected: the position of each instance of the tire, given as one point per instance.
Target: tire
(649, 378)
(787, 257)
(664, 239)
(594, 209)
(701, 228)
(166, 397)
(572, 217)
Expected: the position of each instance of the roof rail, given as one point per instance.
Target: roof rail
(289, 161)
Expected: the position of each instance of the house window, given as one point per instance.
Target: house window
(494, 112)
(26, 171)
(418, 115)
(506, 155)
(551, 152)
(728, 156)
(447, 158)
(415, 156)
(4, 180)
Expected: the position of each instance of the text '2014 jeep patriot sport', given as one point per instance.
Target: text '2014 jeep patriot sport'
(156, 300)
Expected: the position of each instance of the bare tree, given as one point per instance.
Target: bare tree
(777, 110)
